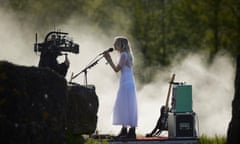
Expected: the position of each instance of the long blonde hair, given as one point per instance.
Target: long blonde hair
(124, 45)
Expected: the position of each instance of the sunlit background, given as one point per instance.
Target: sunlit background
(212, 83)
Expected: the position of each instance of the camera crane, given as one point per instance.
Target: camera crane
(57, 42)
(54, 44)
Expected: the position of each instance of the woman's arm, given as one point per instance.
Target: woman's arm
(116, 68)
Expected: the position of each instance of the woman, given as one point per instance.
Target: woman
(125, 108)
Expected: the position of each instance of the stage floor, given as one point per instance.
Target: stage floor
(148, 140)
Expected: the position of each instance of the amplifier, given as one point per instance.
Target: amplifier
(181, 125)
(182, 98)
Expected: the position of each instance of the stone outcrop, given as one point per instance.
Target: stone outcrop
(82, 103)
(38, 106)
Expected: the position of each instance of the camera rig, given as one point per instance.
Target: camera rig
(56, 42)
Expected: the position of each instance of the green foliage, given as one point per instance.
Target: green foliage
(160, 28)
(74, 139)
(92, 141)
(212, 140)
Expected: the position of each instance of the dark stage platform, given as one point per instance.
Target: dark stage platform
(148, 140)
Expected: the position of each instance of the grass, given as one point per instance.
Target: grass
(203, 139)
(91, 141)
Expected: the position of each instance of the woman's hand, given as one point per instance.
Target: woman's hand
(107, 56)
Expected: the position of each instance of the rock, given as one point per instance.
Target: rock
(32, 105)
(38, 106)
(82, 103)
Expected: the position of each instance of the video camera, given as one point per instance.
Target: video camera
(56, 42)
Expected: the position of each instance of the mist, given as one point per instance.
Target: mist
(212, 84)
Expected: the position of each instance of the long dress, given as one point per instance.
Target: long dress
(125, 109)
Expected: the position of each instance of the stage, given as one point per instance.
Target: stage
(148, 140)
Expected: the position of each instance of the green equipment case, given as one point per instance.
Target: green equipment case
(182, 97)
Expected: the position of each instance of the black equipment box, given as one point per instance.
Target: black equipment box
(181, 125)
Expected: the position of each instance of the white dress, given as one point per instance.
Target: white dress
(125, 109)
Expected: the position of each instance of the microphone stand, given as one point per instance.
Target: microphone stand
(90, 65)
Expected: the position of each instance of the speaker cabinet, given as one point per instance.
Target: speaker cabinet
(181, 125)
